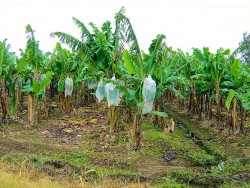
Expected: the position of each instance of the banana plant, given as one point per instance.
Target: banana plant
(175, 77)
(33, 56)
(238, 88)
(17, 67)
(157, 65)
(64, 65)
(100, 50)
(138, 67)
(5, 58)
(214, 66)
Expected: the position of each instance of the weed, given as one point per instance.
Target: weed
(226, 168)
(200, 158)
(37, 160)
(154, 135)
(186, 175)
(234, 184)
(169, 182)
(76, 158)
(211, 149)
(15, 159)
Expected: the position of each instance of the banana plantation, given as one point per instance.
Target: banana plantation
(99, 108)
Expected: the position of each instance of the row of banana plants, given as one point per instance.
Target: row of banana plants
(111, 62)
(213, 81)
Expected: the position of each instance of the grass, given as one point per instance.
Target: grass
(234, 184)
(28, 179)
(115, 165)
(78, 158)
(213, 149)
(227, 168)
(169, 182)
(12, 177)
(178, 141)
(200, 158)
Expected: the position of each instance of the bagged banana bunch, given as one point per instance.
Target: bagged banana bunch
(91, 84)
(148, 94)
(68, 85)
(113, 95)
(41, 77)
(100, 91)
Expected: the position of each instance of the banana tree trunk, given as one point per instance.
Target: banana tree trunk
(67, 104)
(62, 101)
(35, 102)
(30, 109)
(36, 114)
(4, 102)
(52, 88)
(136, 132)
(210, 106)
(190, 102)
(200, 108)
(46, 103)
(234, 113)
(127, 112)
(206, 103)
(17, 96)
(21, 101)
(195, 103)
(113, 121)
(243, 119)
(77, 98)
(217, 89)
(158, 120)
(227, 122)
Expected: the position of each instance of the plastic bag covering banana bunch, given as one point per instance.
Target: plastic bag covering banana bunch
(113, 96)
(19, 81)
(148, 94)
(68, 85)
(100, 91)
(91, 84)
(28, 82)
(41, 77)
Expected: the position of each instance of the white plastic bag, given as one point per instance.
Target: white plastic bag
(68, 85)
(113, 96)
(41, 77)
(148, 94)
(91, 84)
(19, 81)
(100, 91)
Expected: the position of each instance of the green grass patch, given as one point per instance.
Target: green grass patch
(234, 184)
(227, 168)
(170, 182)
(213, 149)
(113, 171)
(185, 175)
(200, 158)
(154, 135)
(16, 159)
(77, 158)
